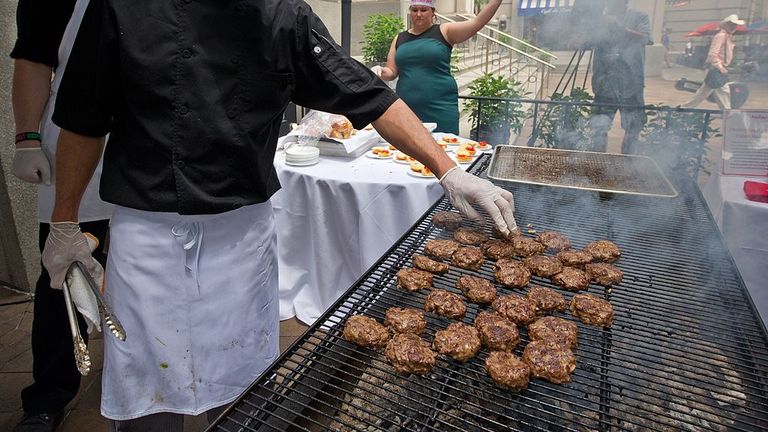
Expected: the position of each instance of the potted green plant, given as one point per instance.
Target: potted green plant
(379, 31)
(493, 119)
(678, 140)
(565, 126)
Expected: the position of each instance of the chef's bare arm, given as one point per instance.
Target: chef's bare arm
(76, 159)
(400, 126)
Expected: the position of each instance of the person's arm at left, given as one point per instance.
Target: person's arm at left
(30, 92)
(458, 32)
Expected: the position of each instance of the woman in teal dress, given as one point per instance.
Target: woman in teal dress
(421, 58)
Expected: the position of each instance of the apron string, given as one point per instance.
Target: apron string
(192, 236)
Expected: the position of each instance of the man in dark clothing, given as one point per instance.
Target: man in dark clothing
(618, 77)
(192, 93)
(41, 25)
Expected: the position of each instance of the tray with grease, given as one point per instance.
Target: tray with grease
(602, 172)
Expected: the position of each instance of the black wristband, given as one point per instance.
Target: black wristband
(27, 136)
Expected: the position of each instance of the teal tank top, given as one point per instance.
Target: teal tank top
(425, 82)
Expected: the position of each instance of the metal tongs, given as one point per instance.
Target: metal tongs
(82, 356)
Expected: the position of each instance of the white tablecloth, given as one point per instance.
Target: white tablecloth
(744, 225)
(334, 220)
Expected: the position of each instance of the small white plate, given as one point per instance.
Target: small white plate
(375, 156)
(420, 175)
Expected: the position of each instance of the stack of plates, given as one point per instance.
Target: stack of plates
(302, 155)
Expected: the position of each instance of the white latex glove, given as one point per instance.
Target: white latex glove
(31, 165)
(65, 245)
(377, 70)
(464, 190)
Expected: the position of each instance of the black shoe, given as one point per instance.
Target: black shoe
(38, 423)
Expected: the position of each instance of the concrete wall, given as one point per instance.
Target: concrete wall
(19, 255)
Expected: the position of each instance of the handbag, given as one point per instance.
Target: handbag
(715, 79)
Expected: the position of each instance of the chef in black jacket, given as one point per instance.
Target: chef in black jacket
(192, 93)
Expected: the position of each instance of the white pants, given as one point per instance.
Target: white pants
(198, 297)
(722, 96)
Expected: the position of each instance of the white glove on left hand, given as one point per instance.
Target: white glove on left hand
(31, 165)
(464, 189)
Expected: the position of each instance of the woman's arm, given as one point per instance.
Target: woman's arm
(458, 32)
(389, 72)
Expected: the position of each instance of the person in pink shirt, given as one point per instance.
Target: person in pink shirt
(719, 58)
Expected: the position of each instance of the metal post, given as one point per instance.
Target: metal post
(346, 25)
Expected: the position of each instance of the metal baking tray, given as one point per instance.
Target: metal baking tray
(602, 172)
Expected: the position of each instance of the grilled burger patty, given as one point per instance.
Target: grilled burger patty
(526, 246)
(448, 220)
(469, 236)
(366, 332)
(408, 353)
(556, 330)
(413, 279)
(513, 274)
(604, 274)
(574, 258)
(496, 332)
(459, 341)
(544, 266)
(603, 250)
(592, 310)
(402, 320)
(554, 241)
(551, 361)
(496, 249)
(517, 309)
(477, 289)
(546, 300)
(572, 279)
(425, 263)
(510, 236)
(440, 249)
(507, 370)
(468, 257)
(445, 303)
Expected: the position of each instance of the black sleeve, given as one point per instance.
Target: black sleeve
(88, 91)
(328, 79)
(40, 25)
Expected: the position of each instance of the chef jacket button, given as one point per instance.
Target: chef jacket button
(180, 164)
(317, 50)
(232, 113)
(183, 110)
(186, 53)
(235, 60)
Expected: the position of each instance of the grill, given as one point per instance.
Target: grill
(686, 351)
(602, 172)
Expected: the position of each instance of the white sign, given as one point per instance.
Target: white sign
(745, 147)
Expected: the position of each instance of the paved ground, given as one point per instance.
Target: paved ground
(16, 320)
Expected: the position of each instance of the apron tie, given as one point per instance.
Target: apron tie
(191, 234)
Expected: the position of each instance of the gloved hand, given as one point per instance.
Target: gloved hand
(31, 165)
(377, 70)
(65, 245)
(464, 190)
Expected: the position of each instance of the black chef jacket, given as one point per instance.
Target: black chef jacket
(192, 93)
(40, 25)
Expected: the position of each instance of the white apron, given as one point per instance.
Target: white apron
(198, 297)
(92, 208)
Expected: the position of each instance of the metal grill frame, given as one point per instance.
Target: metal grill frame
(642, 167)
(305, 388)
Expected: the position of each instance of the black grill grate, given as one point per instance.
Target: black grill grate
(686, 351)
